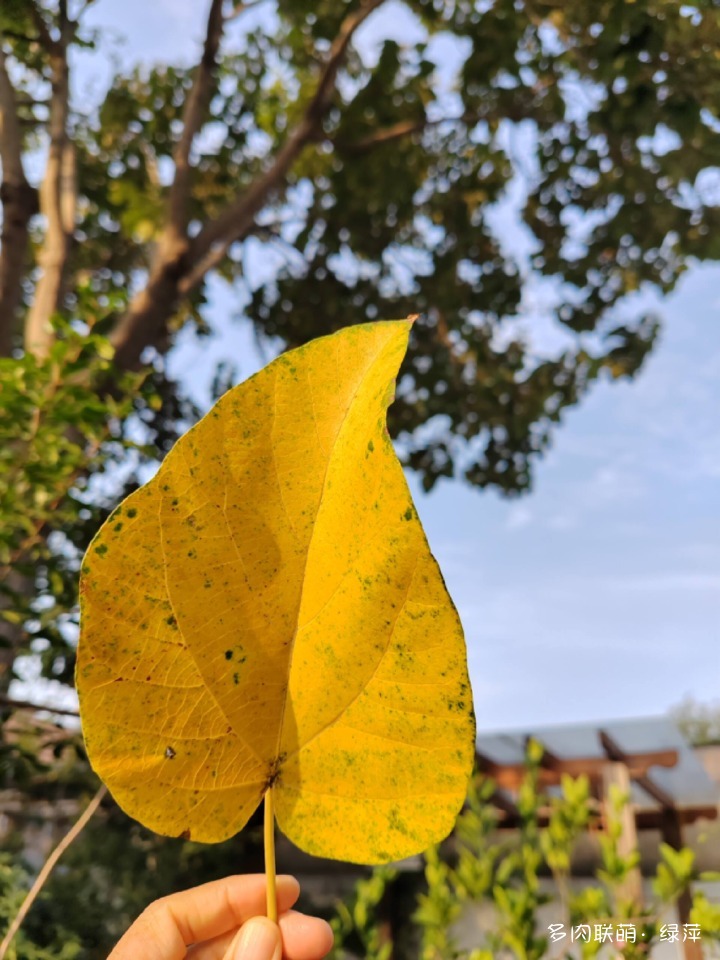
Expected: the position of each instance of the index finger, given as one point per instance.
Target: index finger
(168, 926)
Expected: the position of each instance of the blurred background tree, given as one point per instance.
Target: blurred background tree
(699, 722)
(373, 184)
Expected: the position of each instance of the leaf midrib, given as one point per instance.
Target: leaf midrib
(353, 398)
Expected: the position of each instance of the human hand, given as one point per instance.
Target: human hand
(224, 920)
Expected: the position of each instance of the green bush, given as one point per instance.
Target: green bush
(479, 866)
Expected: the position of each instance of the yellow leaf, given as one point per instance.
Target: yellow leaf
(266, 612)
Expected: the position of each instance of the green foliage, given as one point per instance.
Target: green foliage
(57, 942)
(438, 909)
(699, 722)
(66, 454)
(355, 923)
(674, 872)
(106, 879)
(707, 915)
(606, 123)
(40, 460)
(482, 868)
(570, 814)
(615, 866)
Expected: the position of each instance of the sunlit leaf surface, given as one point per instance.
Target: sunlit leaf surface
(266, 612)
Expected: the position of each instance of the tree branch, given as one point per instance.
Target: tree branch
(15, 35)
(397, 131)
(19, 203)
(179, 269)
(240, 6)
(404, 128)
(44, 35)
(15, 704)
(194, 115)
(47, 869)
(237, 219)
(58, 200)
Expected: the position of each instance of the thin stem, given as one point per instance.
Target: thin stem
(47, 869)
(269, 833)
(15, 704)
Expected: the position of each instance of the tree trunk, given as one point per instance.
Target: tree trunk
(19, 203)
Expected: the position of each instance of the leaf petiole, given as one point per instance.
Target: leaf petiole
(269, 837)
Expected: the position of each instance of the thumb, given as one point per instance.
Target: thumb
(258, 939)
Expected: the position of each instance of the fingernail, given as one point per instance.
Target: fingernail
(259, 940)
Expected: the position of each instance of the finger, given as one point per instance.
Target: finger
(170, 925)
(258, 939)
(304, 938)
(299, 938)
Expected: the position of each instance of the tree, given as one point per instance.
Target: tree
(164, 182)
(375, 180)
(698, 722)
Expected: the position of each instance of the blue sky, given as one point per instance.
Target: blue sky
(598, 595)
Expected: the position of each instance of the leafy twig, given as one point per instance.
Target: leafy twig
(47, 869)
